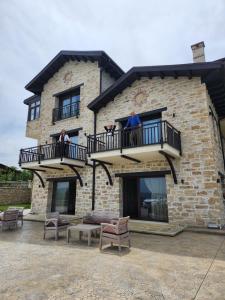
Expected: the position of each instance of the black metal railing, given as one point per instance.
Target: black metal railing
(51, 151)
(159, 132)
(67, 111)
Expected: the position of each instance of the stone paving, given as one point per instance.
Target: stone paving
(188, 266)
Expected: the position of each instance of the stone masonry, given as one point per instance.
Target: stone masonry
(196, 199)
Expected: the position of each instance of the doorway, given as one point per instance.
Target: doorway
(64, 197)
(145, 198)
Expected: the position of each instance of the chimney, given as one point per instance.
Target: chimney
(198, 52)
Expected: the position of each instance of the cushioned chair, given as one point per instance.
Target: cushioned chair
(20, 215)
(9, 218)
(54, 223)
(115, 232)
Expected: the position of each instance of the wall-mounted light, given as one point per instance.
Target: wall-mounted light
(174, 115)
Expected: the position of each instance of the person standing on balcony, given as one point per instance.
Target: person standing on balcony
(109, 136)
(64, 141)
(134, 124)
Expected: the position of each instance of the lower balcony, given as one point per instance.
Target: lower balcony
(138, 144)
(52, 156)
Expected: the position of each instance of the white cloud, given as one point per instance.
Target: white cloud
(144, 32)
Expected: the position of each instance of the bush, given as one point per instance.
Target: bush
(12, 174)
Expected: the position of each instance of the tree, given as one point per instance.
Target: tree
(13, 174)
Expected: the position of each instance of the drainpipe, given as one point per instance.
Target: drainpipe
(94, 164)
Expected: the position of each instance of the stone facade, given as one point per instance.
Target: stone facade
(196, 199)
(12, 193)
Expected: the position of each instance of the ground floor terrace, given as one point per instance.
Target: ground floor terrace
(188, 266)
(145, 192)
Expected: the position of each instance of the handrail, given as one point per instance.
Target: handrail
(51, 151)
(158, 132)
(67, 111)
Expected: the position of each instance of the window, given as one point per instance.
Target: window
(69, 105)
(34, 110)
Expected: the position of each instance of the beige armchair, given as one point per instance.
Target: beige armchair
(9, 219)
(54, 223)
(115, 232)
(20, 214)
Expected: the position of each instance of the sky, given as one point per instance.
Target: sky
(133, 33)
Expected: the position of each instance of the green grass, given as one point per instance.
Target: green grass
(4, 207)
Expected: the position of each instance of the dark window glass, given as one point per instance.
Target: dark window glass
(34, 110)
(69, 105)
(153, 199)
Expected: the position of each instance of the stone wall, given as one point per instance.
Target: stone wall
(198, 200)
(14, 193)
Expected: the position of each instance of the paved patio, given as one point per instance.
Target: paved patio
(188, 266)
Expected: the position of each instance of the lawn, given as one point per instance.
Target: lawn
(4, 207)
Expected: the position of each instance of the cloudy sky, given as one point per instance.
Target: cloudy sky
(132, 32)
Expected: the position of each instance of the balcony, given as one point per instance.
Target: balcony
(65, 112)
(138, 144)
(52, 156)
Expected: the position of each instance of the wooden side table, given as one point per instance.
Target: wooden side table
(83, 228)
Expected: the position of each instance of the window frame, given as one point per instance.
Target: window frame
(33, 106)
(69, 96)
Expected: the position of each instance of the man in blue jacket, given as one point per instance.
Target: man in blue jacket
(134, 124)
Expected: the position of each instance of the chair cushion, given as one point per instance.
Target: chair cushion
(60, 223)
(98, 217)
(109, 229)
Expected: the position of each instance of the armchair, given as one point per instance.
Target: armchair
(9, 218)
(55, 224)
(20, 212)
(115, 232)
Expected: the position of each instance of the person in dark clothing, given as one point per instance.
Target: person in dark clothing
(134, 124)
(64, 142)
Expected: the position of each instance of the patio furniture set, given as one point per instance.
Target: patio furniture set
(10, 217)
(111, 229)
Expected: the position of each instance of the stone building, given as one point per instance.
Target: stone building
(169, 167)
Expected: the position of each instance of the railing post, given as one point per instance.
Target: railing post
(39, 154)
(121, 140)
(20, 157)
(161, 133)
(179, 136)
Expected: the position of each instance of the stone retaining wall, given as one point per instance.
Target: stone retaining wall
(14, 193)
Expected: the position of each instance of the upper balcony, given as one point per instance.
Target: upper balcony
(52, 156)
(66, 111)
(137, 144)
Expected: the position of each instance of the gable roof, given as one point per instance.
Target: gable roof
(212, 73)
(36, 84)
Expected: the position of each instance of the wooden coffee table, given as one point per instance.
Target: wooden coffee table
(83, 228)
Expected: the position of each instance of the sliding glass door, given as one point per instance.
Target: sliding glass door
(64, 195)
(145, 198)
(152, 199)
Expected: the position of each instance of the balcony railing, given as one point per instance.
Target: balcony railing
(67, 111)
(51, 151)
(159, 132)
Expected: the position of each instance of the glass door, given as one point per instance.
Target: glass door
(65, 108)
(64, 197)
(153, 199)
(75, 99)
(151, 131)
